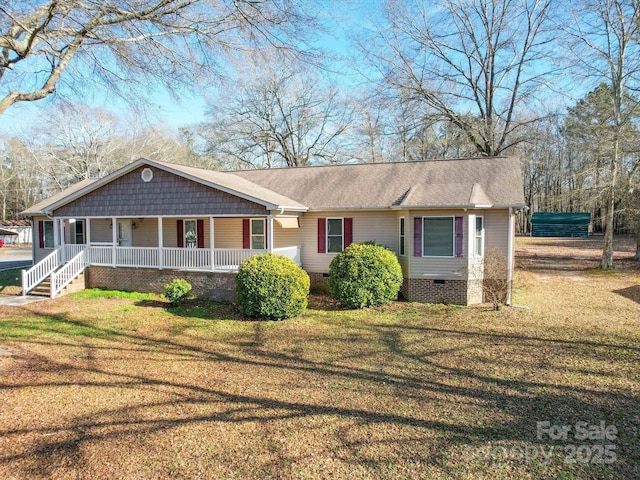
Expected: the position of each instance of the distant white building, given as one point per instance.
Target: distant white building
(21, 232)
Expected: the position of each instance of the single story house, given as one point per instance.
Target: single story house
(555, 224)
(150, 222)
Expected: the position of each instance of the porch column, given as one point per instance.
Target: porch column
(270, 235)
(56, 241)
(114, 239)
(212, 244)
(87, 240)
(61, 238)
(56, 232)
(160, 245)
(87, 234)
(471, 238)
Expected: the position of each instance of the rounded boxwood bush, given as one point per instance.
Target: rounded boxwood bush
(365, 275)
(272, 287)
(177, 291)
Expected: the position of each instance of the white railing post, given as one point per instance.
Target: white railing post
(114, 239)
(160, 245)
(23, 274)
(212, 244)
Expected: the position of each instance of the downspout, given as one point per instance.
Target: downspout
(510, 255)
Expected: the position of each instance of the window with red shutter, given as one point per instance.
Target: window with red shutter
(417, 237)
(180, 229)
(348, 232)
(322, 235)
(200, 233)
(459, 236)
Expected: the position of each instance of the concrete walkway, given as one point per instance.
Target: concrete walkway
(18, 301)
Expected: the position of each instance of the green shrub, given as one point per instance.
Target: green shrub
(365, 275)
(271, 287)
(177, 291)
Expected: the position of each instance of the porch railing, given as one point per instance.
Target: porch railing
(224, 259)
(230, 258)
(137, 256)
(186, 258)
(75, 258)
(100, 255)
(41, 270)
(70, 271)
(70, 251)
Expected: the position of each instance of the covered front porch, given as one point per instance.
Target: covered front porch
(197, 243)
(204, 244)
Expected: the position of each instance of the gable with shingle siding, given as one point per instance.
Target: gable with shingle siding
(166, 194)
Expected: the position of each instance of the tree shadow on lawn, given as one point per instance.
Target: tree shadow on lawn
(523, 402)
(632, 293)
(196, 308)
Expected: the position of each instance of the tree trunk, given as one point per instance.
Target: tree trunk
(606, 263)
(637, 255)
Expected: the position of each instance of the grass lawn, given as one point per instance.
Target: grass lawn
(115, 385)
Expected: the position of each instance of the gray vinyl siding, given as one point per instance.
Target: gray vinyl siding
(435, 267)
(166, 194)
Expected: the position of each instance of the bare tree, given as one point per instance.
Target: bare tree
(21, 184)
(90, 143)
(279, 116)
(495, 283)
(475, 63)
(131, 46)
(605, 45)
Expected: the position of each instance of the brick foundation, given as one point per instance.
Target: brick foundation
(432, 291)
(318, 278)
(221, 287)
(218, 286)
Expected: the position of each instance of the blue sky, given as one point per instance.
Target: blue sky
(340, 19)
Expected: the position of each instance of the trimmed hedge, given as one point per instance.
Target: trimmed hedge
(272, 287)
(365, 275)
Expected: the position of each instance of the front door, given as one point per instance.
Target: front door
(124, 233)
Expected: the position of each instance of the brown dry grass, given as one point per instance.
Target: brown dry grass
(104, 386)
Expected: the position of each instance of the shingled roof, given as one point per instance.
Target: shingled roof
(471, 183)
(478, 182)
(43, 205)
